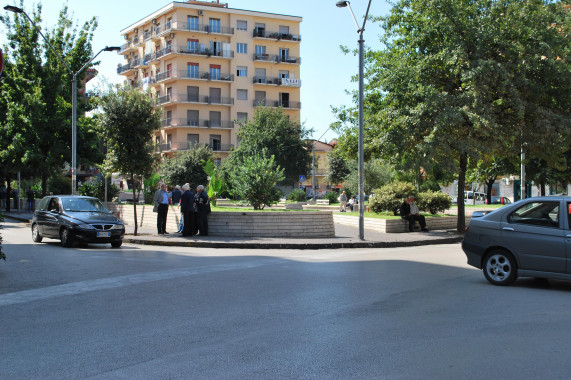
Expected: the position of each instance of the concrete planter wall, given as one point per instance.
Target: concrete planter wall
(398, 225)
(239, 224)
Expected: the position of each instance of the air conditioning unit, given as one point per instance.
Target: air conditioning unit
(172, 35)
(201, 13)
(126, 37)
(131, 54)
(136, 30)
(154, 21)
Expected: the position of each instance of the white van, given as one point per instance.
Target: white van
(474, 198)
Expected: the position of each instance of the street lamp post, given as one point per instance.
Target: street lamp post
(73, 92)
(360, 30)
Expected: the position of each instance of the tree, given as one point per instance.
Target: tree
(129, 120)
(37, 96)
(488, 169)
(186, 167)
(338, 169)
(271, 130)
(255, 179)
(377, 174)
(461, 79)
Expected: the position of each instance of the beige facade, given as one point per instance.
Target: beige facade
(210, 66)
(322, 150)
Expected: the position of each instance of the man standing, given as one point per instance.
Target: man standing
(161, 201)
(203, 208)
(409, 211)
(343, 201)
(3, 196)
(187, 209)
(31, 199)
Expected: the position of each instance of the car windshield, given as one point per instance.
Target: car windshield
(83, 204)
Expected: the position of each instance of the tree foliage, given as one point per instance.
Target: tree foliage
(35, 95)
(462, 79)
(127, 125)
(186, 167)
(338, 168)
(256, 179)
(272, 130)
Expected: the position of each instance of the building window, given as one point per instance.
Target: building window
(192, 46)
(242, 25)
(192, 23)
(242, 48)
(242, 117)
(192, 119)
(260, 50)
(284, 54)
(214, 25)
(192, 70)
(242, 71)
(215, 72)
(242, 95)
(192, 139)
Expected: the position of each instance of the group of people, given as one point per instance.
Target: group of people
(343, 202)
(5, 198)
(194, 208)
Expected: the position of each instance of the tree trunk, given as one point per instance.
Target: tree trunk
(542, 189)
(461, 223)
(134, 204)
(8, 191)
(489, 184)
(44, 184)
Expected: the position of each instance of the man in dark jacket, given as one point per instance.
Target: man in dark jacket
(187, 209)
(203, 208)
(410, 212)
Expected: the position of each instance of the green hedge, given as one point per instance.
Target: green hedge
(332, 196)
(433, 201)
(297, 195)
(391, 196)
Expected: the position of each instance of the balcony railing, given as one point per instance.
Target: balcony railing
(181, 49)
(124, 68)
(287, 104)
(201, 123)
(184, 98)
(187, 145)
(202, 75)
(278, 81)
(277, 58)
(261, 33)
(189, 27)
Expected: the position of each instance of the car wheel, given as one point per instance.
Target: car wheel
(500, 267)
(116, 244)
(36, 236)
(65, 237)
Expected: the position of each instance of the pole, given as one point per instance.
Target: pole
(74, 134)
(313, 173)
(361, 154)
(522, 175)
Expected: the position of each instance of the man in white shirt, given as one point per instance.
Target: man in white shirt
(409, 211)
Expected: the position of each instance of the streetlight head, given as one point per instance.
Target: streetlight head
(112, 48)
(13, 9)
(342, 4)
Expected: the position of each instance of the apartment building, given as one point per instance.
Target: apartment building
(210, 66)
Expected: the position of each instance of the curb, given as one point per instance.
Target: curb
(301, 246)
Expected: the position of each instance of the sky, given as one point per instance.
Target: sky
(325, 71)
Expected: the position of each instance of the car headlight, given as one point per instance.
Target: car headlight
(85, 227)
(117, 227)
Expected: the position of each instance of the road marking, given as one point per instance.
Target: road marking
(87, 286)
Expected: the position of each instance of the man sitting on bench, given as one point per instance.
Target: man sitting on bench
(410, 212)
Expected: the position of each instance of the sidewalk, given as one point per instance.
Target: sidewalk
(345, 237)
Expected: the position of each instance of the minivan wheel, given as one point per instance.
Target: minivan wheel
(36, 236)
(65, 237)
(500, 267)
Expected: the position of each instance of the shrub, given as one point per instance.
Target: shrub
(390, 197)
(332, 196)
(433, 201)
(297, 195)
(97, 189)
(59, 184)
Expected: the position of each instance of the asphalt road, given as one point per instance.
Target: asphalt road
(183, 313)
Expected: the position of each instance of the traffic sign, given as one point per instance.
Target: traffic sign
(301, 178)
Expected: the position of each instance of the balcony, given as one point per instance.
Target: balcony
(184, 98)
(187, 145)
(202, 75)
(137, 41)
(147, 35)
(288, 82)
(262, 33)
(127, 47)
(184, 26)
(163, 52)
(202, 123)
(274, 58)
(123, 69)
(285, 104)
(203, 52)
